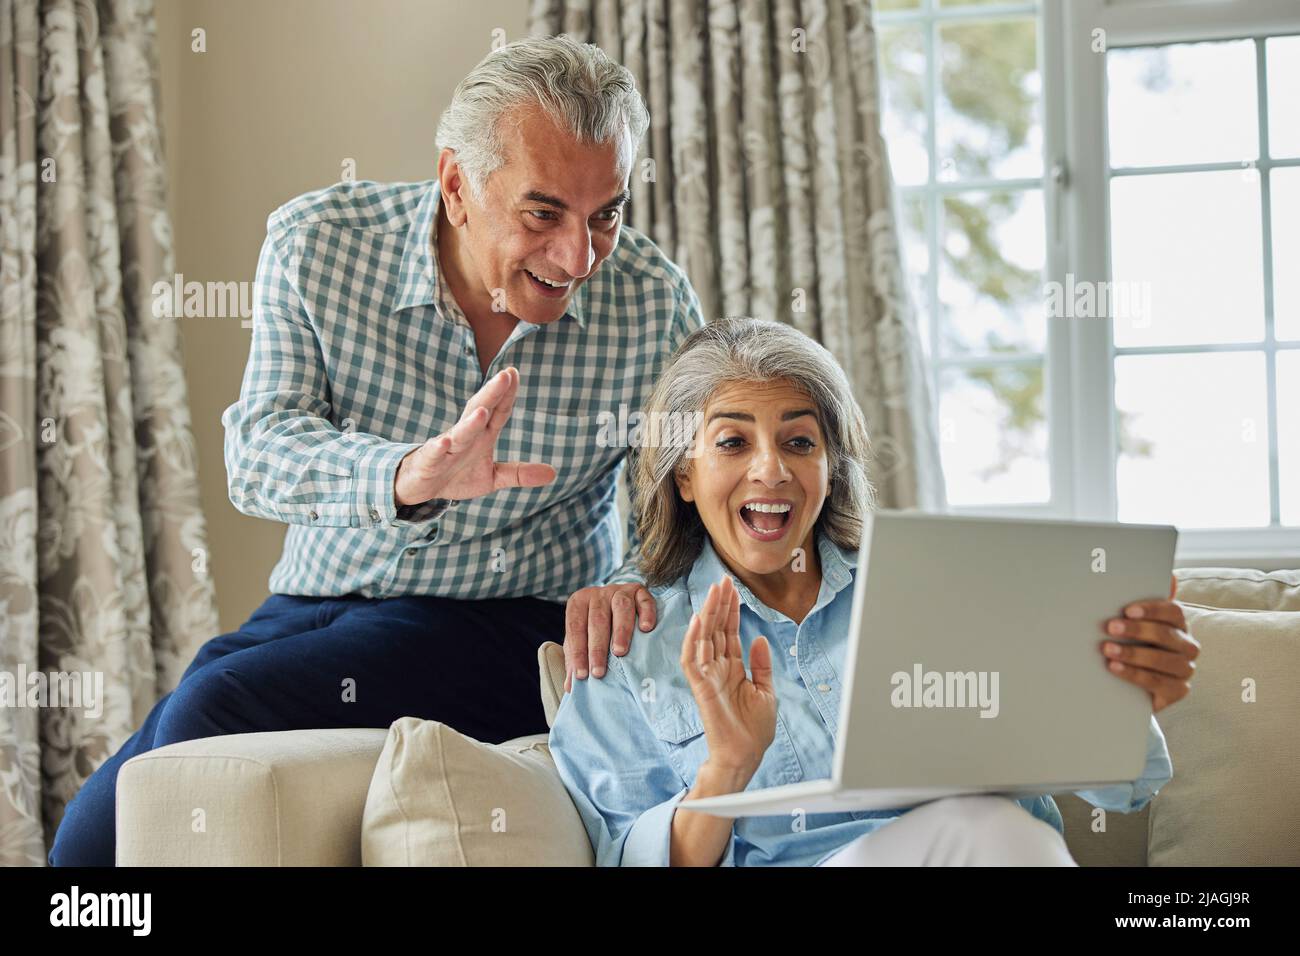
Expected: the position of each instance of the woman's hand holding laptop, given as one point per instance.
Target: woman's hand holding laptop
(1164, 666)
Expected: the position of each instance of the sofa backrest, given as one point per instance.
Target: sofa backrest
(1242, 588)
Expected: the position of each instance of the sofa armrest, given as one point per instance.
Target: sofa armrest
(291, 798)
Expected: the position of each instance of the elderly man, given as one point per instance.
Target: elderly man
(431, 367)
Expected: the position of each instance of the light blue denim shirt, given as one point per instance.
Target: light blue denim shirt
(628, 745)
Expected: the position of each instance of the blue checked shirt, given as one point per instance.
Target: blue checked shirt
(359, 355)
(628, 756)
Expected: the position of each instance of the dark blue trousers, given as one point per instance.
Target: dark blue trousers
(470, 664)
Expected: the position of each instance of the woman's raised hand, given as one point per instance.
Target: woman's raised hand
(739, 714)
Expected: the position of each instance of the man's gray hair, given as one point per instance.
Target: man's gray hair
(576, 84)
(744, 350)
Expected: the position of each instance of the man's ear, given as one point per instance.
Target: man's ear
(453, 186)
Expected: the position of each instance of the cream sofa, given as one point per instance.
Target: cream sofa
(300, 797)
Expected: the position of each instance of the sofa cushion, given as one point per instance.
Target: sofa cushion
(1232, 800)
(550, 668)
(439, 798)
(1241, 588)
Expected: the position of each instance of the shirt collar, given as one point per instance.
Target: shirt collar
(837, 566)
(418, 276)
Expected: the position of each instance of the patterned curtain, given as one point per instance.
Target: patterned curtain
(764, 176)
(102, 543)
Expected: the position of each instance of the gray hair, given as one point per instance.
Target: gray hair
(744, 350)
(576, 84)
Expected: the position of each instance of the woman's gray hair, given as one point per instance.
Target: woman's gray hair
(742, 350)
(576, 84)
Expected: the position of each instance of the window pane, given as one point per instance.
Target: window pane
(1288, 435)
(993, 435)
(987, 116)
(1185, 103)
(1189, 245)
(903, 122)
(916, 260)
(991, 274)
(1193, 439)
(1283, 55)
(1285, 186)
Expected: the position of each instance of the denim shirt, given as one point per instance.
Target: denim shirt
(628, 745)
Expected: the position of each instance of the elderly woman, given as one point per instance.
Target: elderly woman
(750, 533)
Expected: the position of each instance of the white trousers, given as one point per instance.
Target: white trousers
(972, 830)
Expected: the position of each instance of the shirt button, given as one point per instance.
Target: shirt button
(374, 515)
(411, 551)
(313, 515)
(794, 652)
(824, 688)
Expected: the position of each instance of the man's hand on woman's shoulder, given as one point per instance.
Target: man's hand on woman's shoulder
(598, 619)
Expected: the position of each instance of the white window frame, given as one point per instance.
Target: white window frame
(929, 15)
(1085, 205)
(1079, 385)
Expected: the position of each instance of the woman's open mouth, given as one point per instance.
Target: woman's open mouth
(548, 287)
(766, 520)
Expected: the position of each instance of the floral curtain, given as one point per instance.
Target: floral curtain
(103, 567)
(764, 176)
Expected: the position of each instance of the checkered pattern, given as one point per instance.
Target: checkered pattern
(355, 362)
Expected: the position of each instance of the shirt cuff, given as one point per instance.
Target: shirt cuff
(1131, 797)
(374, 501)
(426, 511)
(1127, 797)
(649, 841)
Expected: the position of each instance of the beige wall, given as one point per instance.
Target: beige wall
(286, 90)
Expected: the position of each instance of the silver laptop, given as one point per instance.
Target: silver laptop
(974, 664)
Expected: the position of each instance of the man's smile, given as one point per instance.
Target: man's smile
(552, 288)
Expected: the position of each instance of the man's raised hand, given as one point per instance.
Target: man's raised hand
(460, 462)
